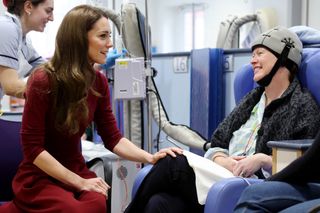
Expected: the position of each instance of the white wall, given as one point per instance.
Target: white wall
(166, 26)
(313, 14)
(166, 19)
(217, 12)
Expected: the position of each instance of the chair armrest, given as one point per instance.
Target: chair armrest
(139, 178)
(284, 152)
(302, 144)
(224, 195)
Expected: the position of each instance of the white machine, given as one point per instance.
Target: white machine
(129, 78)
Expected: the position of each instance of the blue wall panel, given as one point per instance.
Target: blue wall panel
(207, 99)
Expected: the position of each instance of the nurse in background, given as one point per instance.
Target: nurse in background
(17, 56)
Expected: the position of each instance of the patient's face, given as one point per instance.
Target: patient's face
(262, 62)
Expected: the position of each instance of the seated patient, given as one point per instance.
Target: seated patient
(62, 97)
(279, 109)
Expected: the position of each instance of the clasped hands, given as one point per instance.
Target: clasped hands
(243, 166)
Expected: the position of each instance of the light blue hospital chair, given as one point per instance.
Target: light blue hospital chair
(224, 195)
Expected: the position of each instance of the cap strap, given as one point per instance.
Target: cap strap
(265, 81)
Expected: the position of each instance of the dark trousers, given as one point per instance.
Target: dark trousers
(169, 187)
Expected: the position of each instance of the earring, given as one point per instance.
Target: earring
(29, 13)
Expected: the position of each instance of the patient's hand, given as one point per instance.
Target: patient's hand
(247, 166)
(227, 162)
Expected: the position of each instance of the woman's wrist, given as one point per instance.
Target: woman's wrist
(74, 180)
(149, 159)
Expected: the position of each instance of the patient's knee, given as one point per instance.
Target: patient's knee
(157, 204)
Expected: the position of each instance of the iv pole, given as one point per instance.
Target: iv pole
(148, 78)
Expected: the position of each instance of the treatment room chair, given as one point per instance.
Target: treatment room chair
(223, 195)
(10, 152)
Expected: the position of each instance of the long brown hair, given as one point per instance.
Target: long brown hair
(70, 70)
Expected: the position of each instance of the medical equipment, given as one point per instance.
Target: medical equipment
(131, 24)
(129, 79)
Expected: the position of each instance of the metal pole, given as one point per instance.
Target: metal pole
(114, 27)
(148, 76)
(193, 26)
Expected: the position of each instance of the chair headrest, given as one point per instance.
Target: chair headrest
(309, 73)
(243, 82)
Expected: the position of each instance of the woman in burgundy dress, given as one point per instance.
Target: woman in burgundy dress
(62, 97)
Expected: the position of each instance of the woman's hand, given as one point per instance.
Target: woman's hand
(172, 151)
(95, 185)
